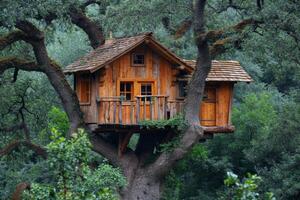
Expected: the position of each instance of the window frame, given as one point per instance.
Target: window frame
(79, 79)
(182, 89)
(126, 92)
(137, 64)
(151, 83)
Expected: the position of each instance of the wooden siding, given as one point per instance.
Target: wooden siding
(106, 106)
(216, 109)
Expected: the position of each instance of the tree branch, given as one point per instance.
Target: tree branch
(194, 95)
(17, 195)
(69, 99)
(10, 38)
(93, 30)
(13, 145)
(16, 63)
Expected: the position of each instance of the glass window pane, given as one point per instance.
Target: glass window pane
(138, 59)
(128, 87)
(122, 87)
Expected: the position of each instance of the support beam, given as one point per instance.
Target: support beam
(123, 142)
(218, 129)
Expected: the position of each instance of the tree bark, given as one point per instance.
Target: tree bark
(142, 186)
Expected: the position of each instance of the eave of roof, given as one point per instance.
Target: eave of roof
(225, 70)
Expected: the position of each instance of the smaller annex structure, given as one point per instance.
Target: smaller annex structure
(131, 79)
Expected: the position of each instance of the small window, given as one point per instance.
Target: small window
(84, 89)
(146, 89)
(138, 59)
(126, 90)
(182, 85)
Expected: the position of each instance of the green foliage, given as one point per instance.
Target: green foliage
(58, 120)
(247, 189)
(176, 123)
(72, 177)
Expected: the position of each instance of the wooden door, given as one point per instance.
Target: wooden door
(208, 107)
(146, 88)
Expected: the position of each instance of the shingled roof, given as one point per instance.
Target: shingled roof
(113, 49)
(225, 70)
(117, 47)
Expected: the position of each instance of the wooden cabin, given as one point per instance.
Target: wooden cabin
(132, 79)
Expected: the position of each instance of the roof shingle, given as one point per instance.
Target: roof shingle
(225, 70)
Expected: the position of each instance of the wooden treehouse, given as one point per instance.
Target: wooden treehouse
(132, 79)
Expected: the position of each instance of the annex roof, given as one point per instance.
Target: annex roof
(115, 48)
(225, 70)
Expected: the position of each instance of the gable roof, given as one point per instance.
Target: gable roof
(113, 49)
(225, 70)
(116, 48)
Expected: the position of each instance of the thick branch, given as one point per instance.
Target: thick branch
(11, 38)
(178, 32)
(55, 75)
(194, 95)
(167, 159)
(125, 162)
(13, 145)
(102, 147)
(13, 62)
(93, 30)
(215, 35)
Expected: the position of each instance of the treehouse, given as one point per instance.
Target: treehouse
(129, 80)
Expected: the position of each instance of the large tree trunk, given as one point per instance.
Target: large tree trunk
(143, 186)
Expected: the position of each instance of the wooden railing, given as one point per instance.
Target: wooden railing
(115, 110)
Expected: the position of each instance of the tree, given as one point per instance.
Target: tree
(73, 179)
(144, 179)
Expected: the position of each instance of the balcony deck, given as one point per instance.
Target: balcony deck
(114, 114)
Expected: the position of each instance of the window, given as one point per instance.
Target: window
(138, 59)
(84, 88)
(182, 89)
(126, 90)
(146, 89)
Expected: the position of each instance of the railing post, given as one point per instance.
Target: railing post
(158, 108)
(115, 111)
(137, 109)
(165, 107)
(151, 107)
(144, 108)
(131, 112)
(120, 110)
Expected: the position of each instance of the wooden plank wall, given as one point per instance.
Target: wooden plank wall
(157, 70)
(217, 109)
(105, 83)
